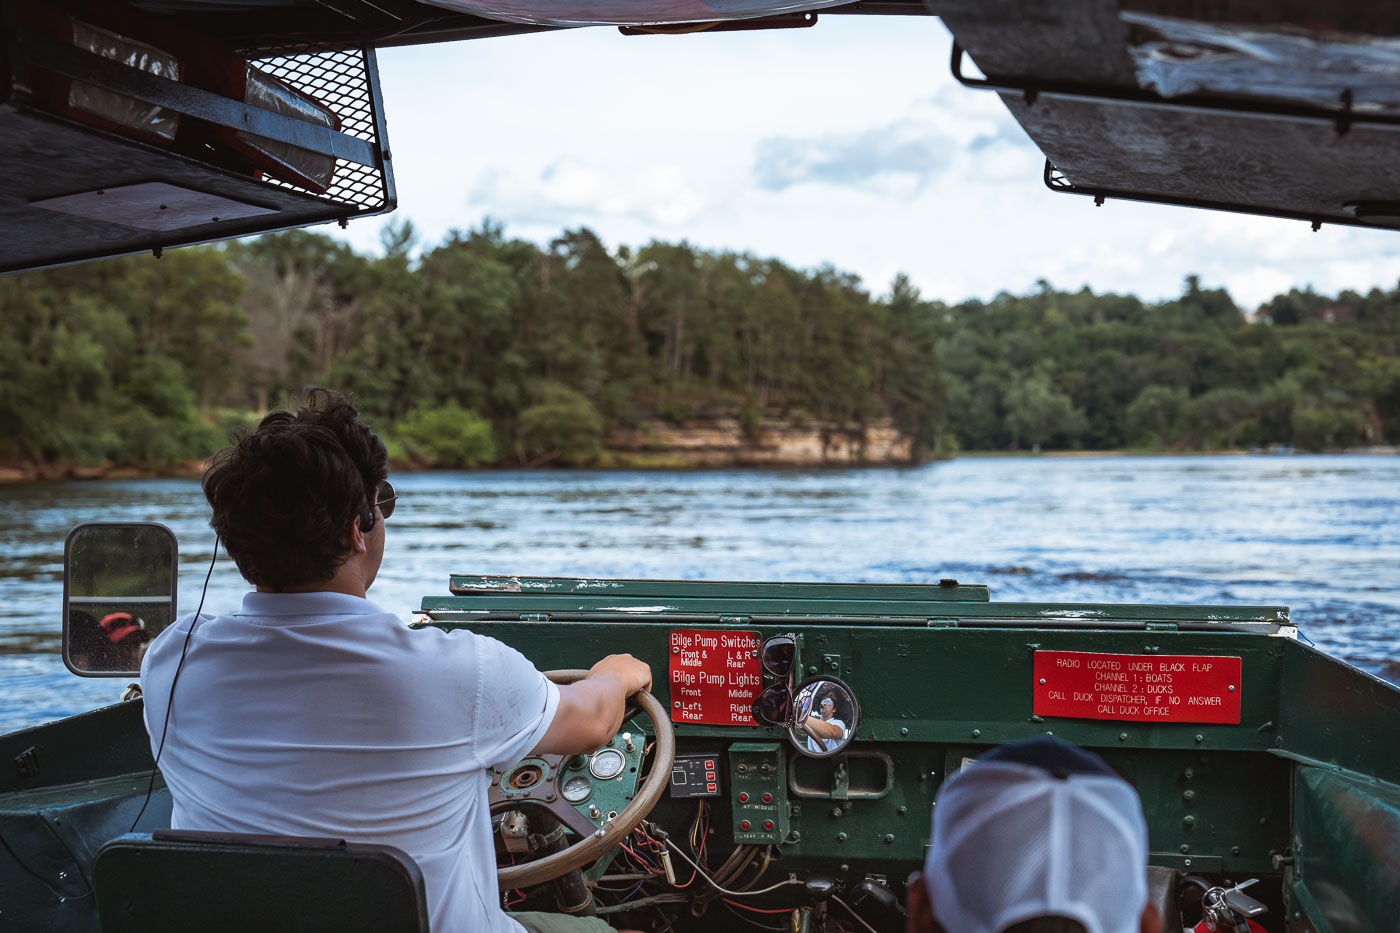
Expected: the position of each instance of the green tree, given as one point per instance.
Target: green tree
(1156, 410)
(1221, 410)
(912, 381)
(561, 426)
(447, 435)
(1320, 428)
(1037, 413)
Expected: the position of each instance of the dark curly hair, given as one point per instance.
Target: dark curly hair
(284, 494)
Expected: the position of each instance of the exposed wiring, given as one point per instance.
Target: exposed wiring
(170, 700)
(751, 921)
(759, 910)
(762, 868)
(851, 910)
(723, 890)
(640, 903)
(646, 863)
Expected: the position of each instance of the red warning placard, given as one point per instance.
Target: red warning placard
(1137, 687)
(715, 676)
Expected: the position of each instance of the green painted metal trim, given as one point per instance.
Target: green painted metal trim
(851, 611)
(475, 584)
(1300, 899)
(1346, 845)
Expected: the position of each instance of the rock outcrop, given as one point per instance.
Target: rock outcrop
(722, 442)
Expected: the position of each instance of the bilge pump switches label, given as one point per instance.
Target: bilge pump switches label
(714, 676)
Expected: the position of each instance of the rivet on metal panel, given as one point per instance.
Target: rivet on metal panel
(1200, 738)
(1185, 849)
(889, 838)
(1189, 796)
(1235, 850)
(904, 730)
(1186, 862)
(902, 810)
(1189, 773)
(837, 811)
(976, 733)
(841, 837)
(675, 649)
(1037, 719)
(1122, 736)
(677, 705)
(1042, 680)
(1232, 688)
(1188, 821)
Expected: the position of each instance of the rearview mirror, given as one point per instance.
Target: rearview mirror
(825, 715)
(118, 594)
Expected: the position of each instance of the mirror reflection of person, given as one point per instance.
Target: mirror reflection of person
(824, 731)
(88, 645)
(313, 712)
(128, 640)
(117, 643)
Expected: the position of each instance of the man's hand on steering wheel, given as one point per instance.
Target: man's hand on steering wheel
(634, 675)
(592, 708)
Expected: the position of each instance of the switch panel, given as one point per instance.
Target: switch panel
(758, 792)
(696, 774)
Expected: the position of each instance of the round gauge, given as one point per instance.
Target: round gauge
(577, 789)
(607, 764)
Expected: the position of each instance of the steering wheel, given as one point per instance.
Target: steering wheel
(593, 842)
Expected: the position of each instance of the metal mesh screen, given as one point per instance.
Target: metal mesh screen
(340, 79)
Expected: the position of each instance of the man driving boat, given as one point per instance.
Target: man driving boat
(313, 712)
(824, 731)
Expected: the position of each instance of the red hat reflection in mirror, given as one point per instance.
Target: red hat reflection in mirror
(118, 625)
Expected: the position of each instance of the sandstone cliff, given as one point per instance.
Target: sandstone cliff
(718, 442)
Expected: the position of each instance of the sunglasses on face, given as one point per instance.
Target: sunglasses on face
(386, 498)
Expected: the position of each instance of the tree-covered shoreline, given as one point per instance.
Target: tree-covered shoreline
(491, 351)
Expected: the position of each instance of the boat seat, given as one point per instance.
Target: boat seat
(1162, 886)
(174, 880)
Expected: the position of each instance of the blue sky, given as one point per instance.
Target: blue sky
(847, 143)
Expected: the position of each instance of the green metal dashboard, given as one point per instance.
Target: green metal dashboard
(942, 674)
(1283, 767)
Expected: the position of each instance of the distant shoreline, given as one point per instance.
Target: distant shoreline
(18, 475)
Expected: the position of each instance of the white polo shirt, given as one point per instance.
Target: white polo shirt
(321, 714)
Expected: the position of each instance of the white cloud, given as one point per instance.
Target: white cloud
(569, 189)
(846, 143)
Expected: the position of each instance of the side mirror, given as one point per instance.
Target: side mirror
(825, 716)
(118, 594)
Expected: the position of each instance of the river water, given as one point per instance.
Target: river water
(1320, 534)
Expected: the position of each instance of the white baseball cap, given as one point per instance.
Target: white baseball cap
(1037, 829)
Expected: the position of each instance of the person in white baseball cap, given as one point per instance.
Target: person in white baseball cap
(1035, 837)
